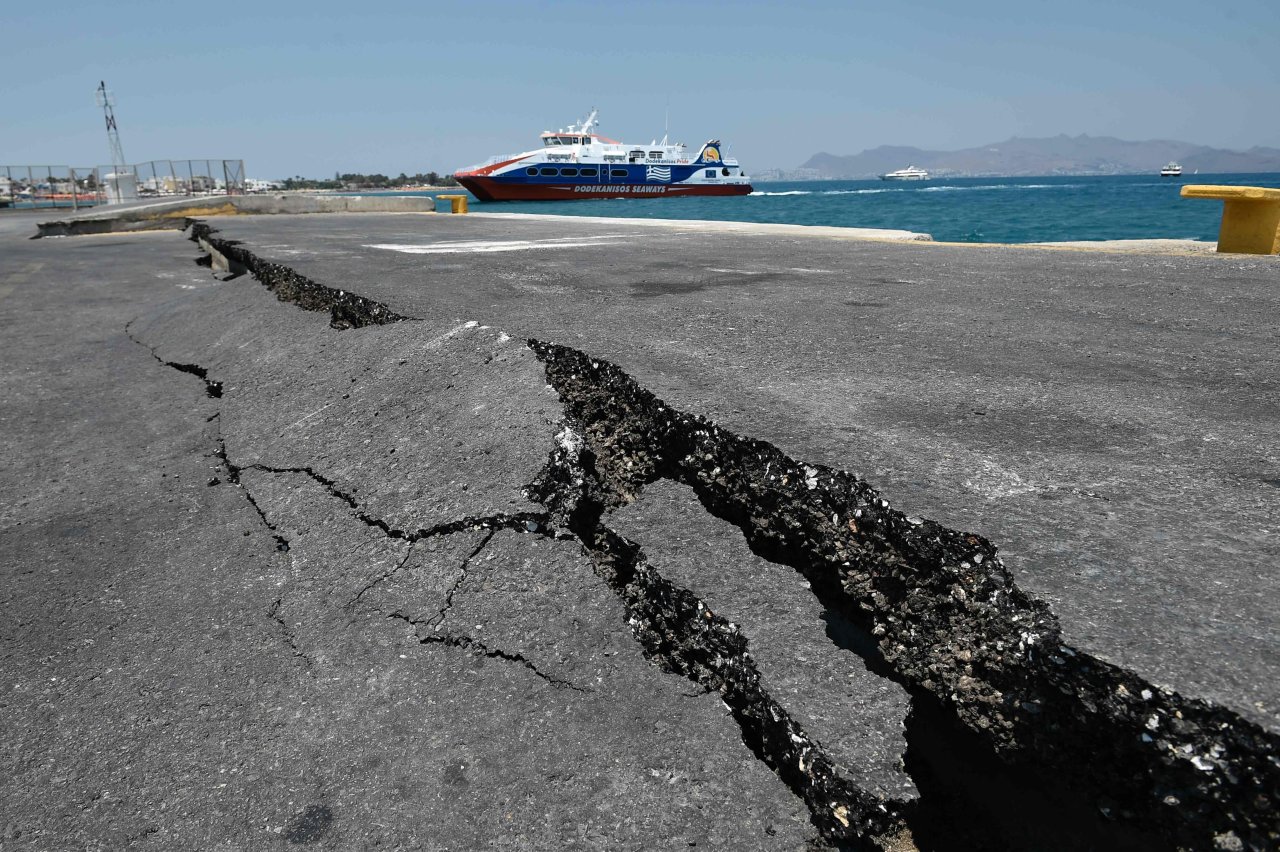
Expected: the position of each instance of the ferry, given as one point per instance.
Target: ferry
(909, 173)
(578, 164)
(1171, 169)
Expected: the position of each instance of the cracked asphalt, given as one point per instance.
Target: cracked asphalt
(323, 607)
(1109, 420)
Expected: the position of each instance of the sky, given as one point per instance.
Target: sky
(322, 87)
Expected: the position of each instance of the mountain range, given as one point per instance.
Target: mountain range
(1057, 155)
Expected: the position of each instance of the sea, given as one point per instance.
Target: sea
(978, 210)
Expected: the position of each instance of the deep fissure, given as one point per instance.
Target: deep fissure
(680, 634)
(950, 625)
(346, 310)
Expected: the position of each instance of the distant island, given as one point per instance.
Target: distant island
(1057, 155)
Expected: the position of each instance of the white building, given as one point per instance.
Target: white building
(259, 185)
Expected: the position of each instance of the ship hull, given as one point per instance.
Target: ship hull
(489, 189)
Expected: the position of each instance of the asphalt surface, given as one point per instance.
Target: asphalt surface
(312, 603)
(1109, 420)
(202, 653)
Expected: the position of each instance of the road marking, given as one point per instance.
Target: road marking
(17, 278)
(487, 246)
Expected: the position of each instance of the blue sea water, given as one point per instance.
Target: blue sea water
(998, 209)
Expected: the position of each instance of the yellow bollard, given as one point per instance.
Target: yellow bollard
(457, 203)
(1250, 217)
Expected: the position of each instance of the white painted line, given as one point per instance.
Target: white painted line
(487, 246)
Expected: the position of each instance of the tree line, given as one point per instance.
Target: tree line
(375, 181)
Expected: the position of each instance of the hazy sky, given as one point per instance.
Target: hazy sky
(317, 87)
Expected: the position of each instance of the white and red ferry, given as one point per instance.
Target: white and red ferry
(578, 163)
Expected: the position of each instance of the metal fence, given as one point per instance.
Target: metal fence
(88, 186)
(189, 177)
(50, 186)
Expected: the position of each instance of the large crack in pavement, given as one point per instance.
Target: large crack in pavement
(681, 634)
(991, 680)
(346, 310)
(949, 622)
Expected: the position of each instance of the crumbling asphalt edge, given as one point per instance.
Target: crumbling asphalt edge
(948, 619)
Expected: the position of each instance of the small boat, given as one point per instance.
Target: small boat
(1171, 169)
(909, 173)
(579, 163)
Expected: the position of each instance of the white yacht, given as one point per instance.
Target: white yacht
(1171, 169)
(909, 173)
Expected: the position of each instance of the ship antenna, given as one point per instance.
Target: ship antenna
(589, 122)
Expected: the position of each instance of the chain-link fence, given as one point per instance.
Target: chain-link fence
(50, 186)
(76, 187)
(189, 177)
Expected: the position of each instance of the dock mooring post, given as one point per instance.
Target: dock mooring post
(457, 203)
(1250, 217)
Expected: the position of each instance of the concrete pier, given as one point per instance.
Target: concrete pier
(450, 532)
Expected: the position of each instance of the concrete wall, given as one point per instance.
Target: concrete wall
(173, 214)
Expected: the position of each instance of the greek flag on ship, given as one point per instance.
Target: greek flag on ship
(579, 163)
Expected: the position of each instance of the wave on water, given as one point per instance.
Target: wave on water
(833, 191)
(943, 188)
(986, 186)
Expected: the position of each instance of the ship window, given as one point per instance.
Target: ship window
(655, 155)
(551, 140)
(724, 172)
(587, 172)
(569, 172)
(711, 173)
(549, 172)
(636, 155)
(531, 171)
(618, 172)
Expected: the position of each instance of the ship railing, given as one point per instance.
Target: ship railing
(491, 161)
